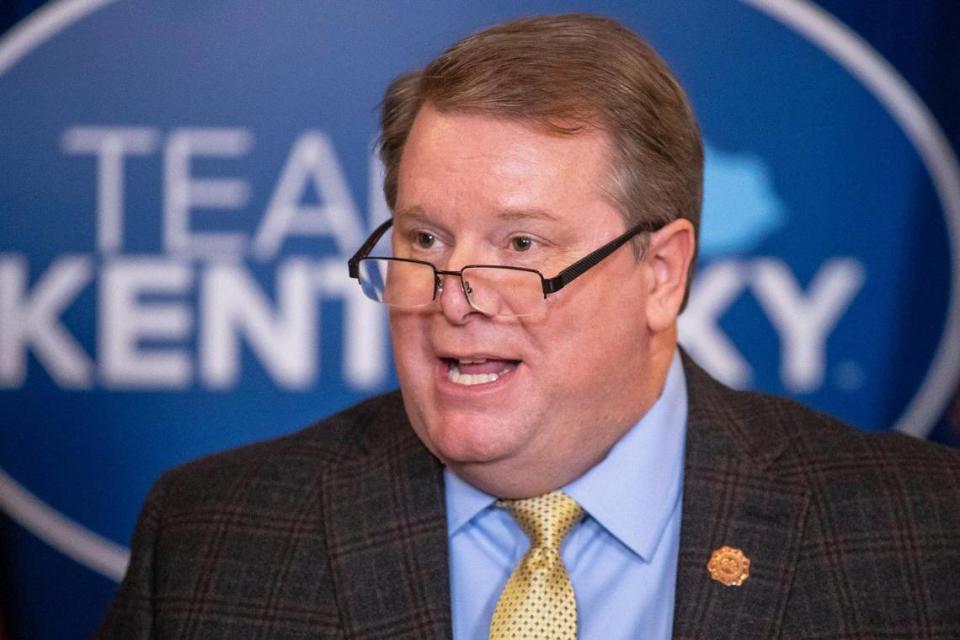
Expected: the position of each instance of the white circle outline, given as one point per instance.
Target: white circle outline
(60, 532)
(70, 538)
(865, 64)
(812, 22)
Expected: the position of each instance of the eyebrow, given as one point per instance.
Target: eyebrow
(417, 213)
(526, 214)
(414, 213)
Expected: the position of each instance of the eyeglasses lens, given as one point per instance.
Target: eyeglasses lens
(491, 290)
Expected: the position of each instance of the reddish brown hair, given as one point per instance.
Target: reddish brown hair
(567, 73)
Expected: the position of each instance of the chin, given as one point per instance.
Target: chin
(470, 439)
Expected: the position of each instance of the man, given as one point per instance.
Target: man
(553, 465)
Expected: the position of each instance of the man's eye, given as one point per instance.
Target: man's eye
(424, 240)
(521, 243)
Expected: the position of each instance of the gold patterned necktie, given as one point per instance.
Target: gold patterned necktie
(538, 601)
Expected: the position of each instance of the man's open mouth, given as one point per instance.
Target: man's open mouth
(474, 371)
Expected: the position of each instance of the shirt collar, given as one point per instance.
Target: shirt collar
(631, 492)
(464, 501)
(634, 490)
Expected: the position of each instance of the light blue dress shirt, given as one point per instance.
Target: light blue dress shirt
(622, 557)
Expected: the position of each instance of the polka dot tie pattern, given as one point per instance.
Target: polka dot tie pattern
(538, 602)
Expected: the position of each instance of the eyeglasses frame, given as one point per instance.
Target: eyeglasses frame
(550, 285)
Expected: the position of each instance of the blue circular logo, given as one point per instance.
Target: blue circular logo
(184, 181)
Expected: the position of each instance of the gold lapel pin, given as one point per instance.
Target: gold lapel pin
(729, 566)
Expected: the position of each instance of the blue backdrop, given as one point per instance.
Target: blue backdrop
(182, 182)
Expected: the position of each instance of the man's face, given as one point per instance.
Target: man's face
(475, 189)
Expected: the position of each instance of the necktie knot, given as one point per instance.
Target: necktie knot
(546, 519)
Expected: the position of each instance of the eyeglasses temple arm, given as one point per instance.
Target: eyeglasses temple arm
(581, 266)
(353, 264)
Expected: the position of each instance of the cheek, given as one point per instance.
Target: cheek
(408, 336)
(595, 335)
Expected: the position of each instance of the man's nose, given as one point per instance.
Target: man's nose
(453, 299)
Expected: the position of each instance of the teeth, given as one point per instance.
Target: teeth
(467, 379)
(464, 361)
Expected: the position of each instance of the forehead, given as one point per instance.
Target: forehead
(469, 162)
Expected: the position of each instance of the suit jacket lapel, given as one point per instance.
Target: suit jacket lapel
(386, 533)
(733, 496)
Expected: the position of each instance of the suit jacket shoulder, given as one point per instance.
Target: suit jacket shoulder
(239, 545)
(850, 534)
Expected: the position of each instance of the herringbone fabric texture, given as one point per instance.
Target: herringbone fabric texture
(538, 599)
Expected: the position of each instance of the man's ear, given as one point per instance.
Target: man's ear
(668, 256)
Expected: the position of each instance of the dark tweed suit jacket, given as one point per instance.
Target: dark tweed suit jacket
(339, 532)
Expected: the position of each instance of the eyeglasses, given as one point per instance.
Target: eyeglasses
(494, 290)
